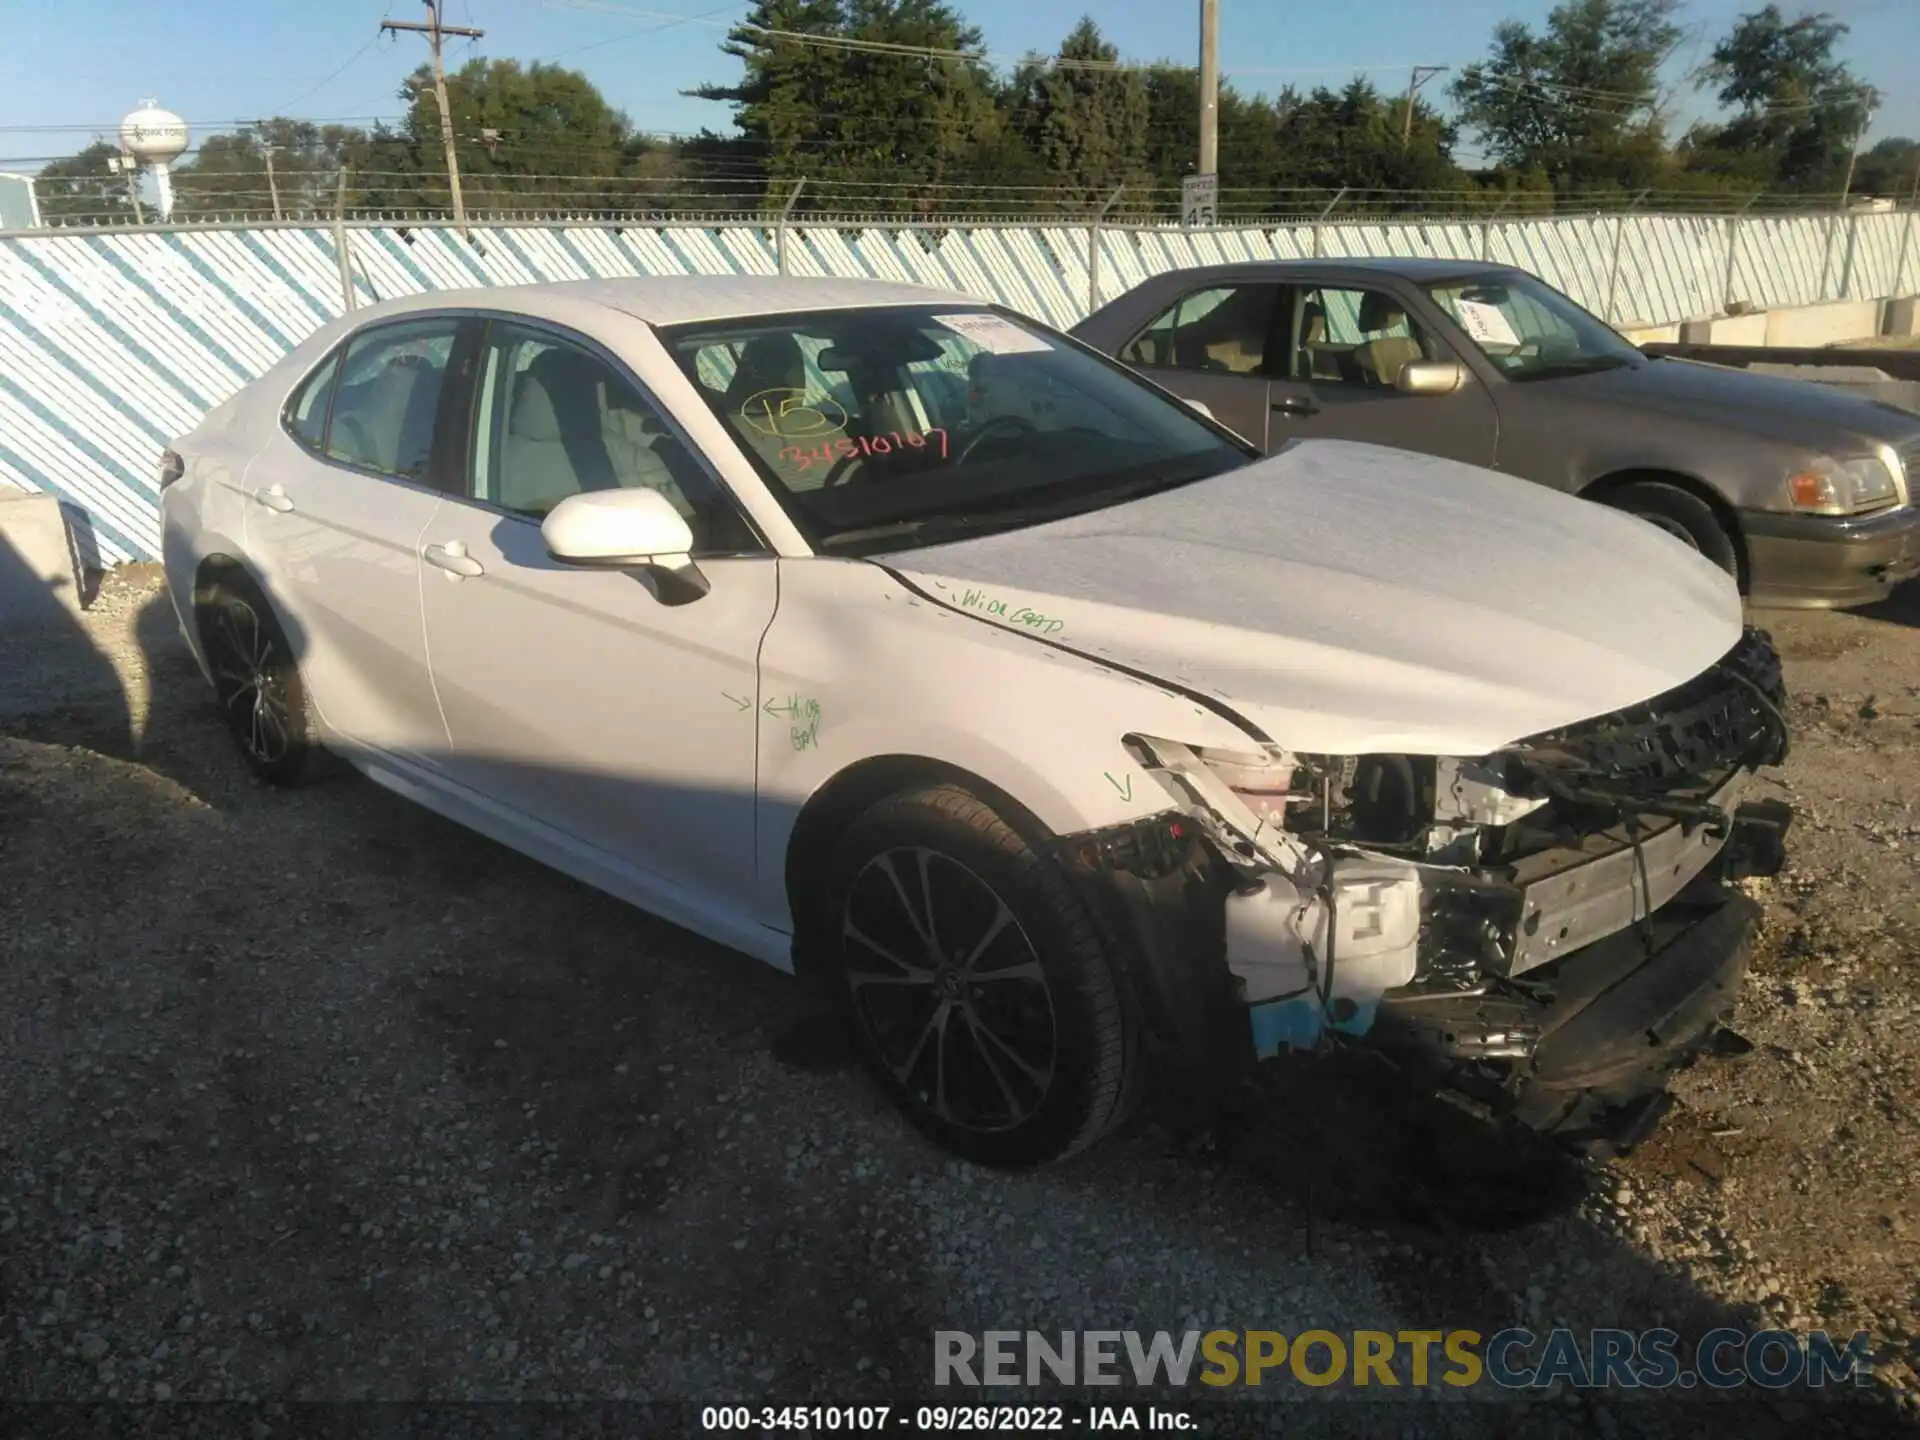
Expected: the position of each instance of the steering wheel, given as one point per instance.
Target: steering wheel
(1019, 424)
(838, 474)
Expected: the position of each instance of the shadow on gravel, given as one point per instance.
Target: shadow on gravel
(1900, 607)
(65, 690)
(52, 670)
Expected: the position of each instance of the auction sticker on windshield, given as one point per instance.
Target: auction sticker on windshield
(1486, 323)
(993, 334)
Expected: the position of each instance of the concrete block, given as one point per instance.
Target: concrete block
(1641, 334)
(1740, 329)
(1902, 320)
(1823, 374)
(39, 574)
(1811, 325)
(1749, 329)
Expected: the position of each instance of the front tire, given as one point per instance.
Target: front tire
(1683, 515)
(980, 993)
(258, 685)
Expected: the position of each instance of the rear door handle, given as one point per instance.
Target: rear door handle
(275, 497)
(1295, 405)
(453, 558)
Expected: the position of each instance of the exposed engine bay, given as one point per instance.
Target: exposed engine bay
(1542, 931)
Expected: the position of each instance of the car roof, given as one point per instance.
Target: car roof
(1413, 268)
(679, 299)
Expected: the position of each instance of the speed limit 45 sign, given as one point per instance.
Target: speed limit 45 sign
(1200, 200)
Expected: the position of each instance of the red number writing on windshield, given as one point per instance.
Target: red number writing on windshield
(849, 447)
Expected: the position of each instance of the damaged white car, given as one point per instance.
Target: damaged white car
(1084, 753)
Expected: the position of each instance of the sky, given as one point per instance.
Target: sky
(76, 66)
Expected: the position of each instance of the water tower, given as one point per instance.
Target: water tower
(155, 139)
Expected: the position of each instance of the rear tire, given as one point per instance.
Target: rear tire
(1681, 514)
(980, 993)
(258, 685)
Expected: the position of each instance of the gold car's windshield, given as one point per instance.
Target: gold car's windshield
(1529, 330)
(878, 428)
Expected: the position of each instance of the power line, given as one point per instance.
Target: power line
(644, 30)
(335, 75)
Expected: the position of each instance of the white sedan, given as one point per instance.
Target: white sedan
(1082, 752)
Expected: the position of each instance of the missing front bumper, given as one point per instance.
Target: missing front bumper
(1584, 1052)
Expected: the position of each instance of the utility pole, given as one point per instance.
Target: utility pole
(1209, 87)
(128, 166)
(1853, 154)
(273, 184)
(1421, 74)
(435, 31)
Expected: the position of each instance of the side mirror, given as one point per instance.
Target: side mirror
(1430, 377)
(624, 530)
(1201, 406)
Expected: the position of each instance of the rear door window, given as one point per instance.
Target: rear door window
(1223, 331)
(306, 413)
(389, 397)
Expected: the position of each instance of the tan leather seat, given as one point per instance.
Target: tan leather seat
(1381, 357)
(555, 445)
(773, 367)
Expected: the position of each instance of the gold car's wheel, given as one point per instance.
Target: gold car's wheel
(1680, 513)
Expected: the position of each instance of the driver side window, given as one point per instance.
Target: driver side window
(552, 419)
(1354, 337)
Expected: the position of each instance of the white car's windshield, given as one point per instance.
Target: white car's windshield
(887, 427)
(1530, 330)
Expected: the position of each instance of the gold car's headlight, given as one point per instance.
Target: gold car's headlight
(1843, 487)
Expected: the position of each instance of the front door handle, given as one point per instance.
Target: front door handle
(453, 558)
(275, 497)
(1295, 405)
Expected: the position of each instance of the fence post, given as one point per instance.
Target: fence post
(1619, 235)
(1486, 231)
(786, 210)
(340, 243)
(1906, 234)
(1332, 205)
(1093, 249)
(1846, 262)
(1826, 256)
(1733, 248)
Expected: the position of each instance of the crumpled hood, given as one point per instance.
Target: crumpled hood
(1347, 598)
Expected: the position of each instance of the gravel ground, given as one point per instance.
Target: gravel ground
(312, 1096)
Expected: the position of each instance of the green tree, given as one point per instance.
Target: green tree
(1800, 111)
(857, 113)
(905, 124)
(1891, 168)
(228, 173)
(1351, 138)
(1253, 158)
(84, 187)
(1086, 123)
(780, 101)
(1577, 100)
(529, 138)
